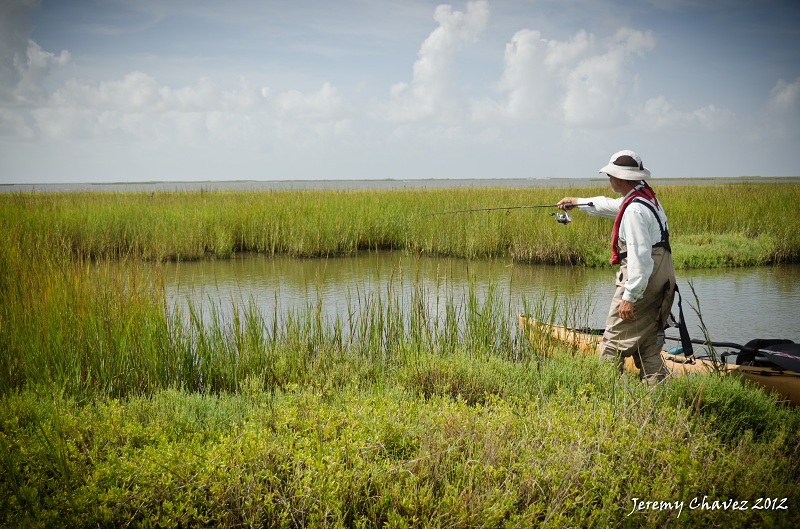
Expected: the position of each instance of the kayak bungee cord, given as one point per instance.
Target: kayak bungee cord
(563, 218)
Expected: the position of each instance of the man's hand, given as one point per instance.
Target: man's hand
(567, 203)
(626, 310)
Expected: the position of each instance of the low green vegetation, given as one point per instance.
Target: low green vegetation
(450, 441)
(117, 409)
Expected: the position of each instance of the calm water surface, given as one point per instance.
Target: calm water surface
(736, 304)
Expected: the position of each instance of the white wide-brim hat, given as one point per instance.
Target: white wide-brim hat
(626, 165)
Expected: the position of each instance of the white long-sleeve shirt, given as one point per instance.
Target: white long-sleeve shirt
(639, 230)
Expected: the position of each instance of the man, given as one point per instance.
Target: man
(646, 278)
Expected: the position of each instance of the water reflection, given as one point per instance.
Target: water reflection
(736, 304)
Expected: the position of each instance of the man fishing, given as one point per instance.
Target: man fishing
(646, 278)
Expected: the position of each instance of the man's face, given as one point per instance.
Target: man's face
(615, 184)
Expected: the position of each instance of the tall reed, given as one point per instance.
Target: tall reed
(104, 328)
(711, 225)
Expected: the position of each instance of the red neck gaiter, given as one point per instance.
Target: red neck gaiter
(642, 191)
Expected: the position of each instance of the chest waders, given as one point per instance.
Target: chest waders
(680, 323)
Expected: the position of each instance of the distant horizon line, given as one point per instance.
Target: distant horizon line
(313, 180)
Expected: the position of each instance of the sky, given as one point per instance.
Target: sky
(197, 90)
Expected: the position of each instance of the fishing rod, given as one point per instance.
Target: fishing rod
(589, 204)
(563, 218)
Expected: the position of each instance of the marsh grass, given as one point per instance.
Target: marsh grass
(104, 328)
(117, 409)
(711, 225)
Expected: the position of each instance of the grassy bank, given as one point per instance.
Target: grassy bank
(452, 441)
(118, 410)
(711, 225)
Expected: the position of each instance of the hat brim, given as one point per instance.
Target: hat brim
(626, 173)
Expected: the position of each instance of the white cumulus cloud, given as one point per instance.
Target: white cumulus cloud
(658, 114)
(433, 90)
(137, 106)
(324, 104)
(579, 82)
(780, 119)
(23, 63)
(599, 85)
(784, 96)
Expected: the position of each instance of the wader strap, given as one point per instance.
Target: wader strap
(664, 243)
(686, 340)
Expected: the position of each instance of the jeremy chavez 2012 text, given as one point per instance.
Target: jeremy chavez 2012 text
(708, 504)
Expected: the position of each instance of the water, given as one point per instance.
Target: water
(736, 304)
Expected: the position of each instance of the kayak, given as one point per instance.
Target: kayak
(770, 376)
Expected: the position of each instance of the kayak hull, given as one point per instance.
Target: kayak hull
(785, 383)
